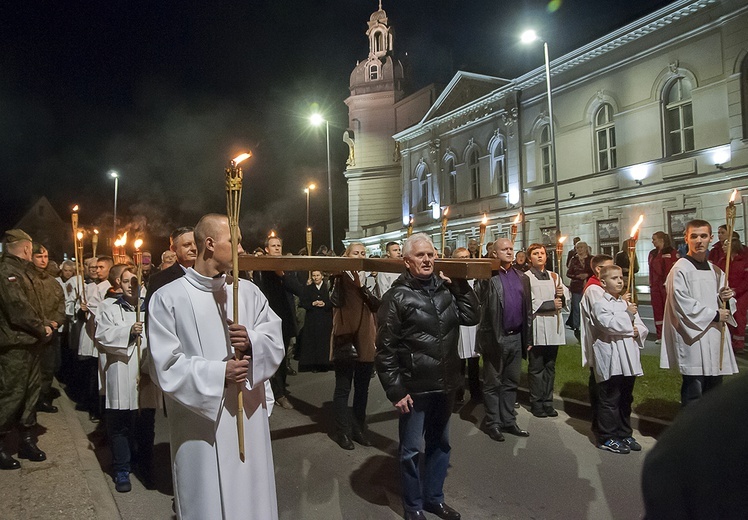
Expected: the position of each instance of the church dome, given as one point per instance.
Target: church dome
(378, 16)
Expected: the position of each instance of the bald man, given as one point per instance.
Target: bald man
(194, 345)
(505, 333)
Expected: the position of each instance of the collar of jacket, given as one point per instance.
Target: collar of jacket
(414, 283)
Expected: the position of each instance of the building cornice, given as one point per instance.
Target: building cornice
(610, 42)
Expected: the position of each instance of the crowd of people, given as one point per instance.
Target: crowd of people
(125, 339)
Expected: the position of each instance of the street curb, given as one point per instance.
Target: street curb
(104, 505)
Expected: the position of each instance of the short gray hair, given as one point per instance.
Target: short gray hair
(412, 240)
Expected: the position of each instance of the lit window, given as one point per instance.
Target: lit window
(605, 138)
(545, 153)
(679, 117)
(373, 73)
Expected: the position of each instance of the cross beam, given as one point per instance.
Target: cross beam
(469, 268)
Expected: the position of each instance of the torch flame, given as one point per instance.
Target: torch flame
(272, 234)
(75, 208)
(242, 157)
(96, 231)
(411, 221)
(138, 243)
(80, 235)
(485, 220)
(518, 218)
(734, 195)
(121, 241)
(446, 211)
(635, 229)
(561, 240)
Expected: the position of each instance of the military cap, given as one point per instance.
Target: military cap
(16, 235)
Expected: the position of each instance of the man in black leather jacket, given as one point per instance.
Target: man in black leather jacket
(419, 368)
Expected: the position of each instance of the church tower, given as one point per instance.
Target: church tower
(373, 167)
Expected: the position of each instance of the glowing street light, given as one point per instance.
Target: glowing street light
(317, 119)
(114, 175)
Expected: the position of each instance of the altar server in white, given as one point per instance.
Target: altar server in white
(549, 296)
(691, 338)
(193, 341)
(131, 398)
(619, 334)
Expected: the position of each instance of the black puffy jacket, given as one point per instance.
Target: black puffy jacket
(417, 335)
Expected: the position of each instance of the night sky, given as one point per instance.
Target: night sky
(167, 92)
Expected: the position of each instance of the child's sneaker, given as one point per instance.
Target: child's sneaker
(615, 446)
(632, 444)
(122, 482)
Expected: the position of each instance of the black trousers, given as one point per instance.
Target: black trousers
(501, 371)
(129, 432)
(541, 374)
(693, 387)
(473, 376)
(357, 375)
(592, 388)
(278, 381)
(615, 396)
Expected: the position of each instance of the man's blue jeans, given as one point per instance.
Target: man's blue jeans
(428, 419)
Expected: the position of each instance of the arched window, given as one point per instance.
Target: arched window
(373, 72)
(545, 153)
(474, 169)
(678, 117)
(421, 188)
(451, 177)
(500, 177)
(378, 38)
(605, 138)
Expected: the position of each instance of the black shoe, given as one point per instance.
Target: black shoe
(539, 412)
(496, 435)
(344, 441)
(516, 405)
(8, 462)
(414, 515)
(442, 511)
(632, 444)
(515, 430)
(30, 451)
(46, 407)
(291, 372)
(550, 411)
(361, 438)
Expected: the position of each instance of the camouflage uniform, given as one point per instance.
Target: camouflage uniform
(22, 336)
(53, 309)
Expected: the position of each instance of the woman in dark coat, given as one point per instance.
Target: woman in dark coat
(353, 323)
(314, 355)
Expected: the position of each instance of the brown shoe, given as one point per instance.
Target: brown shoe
(284, 403)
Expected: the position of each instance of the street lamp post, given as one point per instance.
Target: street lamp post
(529, 37)
(114, 175)
(317, 120)
(308, 191)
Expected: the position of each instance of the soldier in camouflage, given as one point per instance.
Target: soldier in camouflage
(22, 336)
(53, 309)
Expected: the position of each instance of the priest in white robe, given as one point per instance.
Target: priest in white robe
(694, 317)
(193, 342)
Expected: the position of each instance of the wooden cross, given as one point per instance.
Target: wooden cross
(473, 268)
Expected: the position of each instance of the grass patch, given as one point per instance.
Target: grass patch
(656, 394)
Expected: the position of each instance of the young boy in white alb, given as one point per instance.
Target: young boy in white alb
(618, 335)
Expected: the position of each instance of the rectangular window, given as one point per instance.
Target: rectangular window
(609, 236)
(677, 221)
